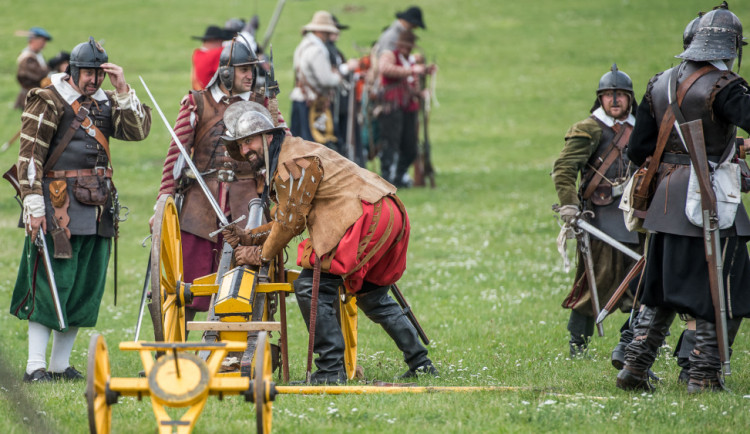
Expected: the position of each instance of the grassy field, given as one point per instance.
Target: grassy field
(484, 275)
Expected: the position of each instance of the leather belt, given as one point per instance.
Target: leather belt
(684, 159)
(75, 173)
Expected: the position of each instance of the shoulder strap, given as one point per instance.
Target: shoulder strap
(81, 115)
(615, 150)
(667, 124)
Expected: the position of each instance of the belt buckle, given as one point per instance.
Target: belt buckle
(99, 170)
(225, 175)
(617, 189)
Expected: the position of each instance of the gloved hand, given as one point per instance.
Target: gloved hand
(248, 255)
(234, 235)
(568, 213)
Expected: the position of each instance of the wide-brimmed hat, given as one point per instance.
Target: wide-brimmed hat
(214, 32)
(413, 15)
(322, 21)
(39, 32)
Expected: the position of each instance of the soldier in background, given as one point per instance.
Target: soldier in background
(199, 127)
(398, 108)
(205, 60)
(316, 77)
(65, 179)
(409, 19)
(595, 148)
(31, 65)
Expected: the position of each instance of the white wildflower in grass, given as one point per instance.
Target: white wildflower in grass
(525, 402)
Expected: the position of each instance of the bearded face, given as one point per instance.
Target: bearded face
(252, 149)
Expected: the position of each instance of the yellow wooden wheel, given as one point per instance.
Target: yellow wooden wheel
(264, 390)
(167, 302)
(97, 385)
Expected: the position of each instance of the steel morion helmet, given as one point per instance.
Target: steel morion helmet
(236, 53)
(244, 119)
(690, 29)
(86, 55)
(719, 37)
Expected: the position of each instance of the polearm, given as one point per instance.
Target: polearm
(692, 137)
(272, 24)
(409, 313)
(188, 160)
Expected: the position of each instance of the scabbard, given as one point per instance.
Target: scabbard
(409, 313)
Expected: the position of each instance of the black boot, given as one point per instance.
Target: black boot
(329, 342)
(682, 352)
(382, 309)
(705, 362)
(626, 336)
(581, 328)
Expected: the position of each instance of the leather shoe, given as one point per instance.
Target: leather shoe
(704, 385)
(39, 376)
(69, 374)
(427, 368)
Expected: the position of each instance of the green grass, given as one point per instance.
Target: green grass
(484, 276)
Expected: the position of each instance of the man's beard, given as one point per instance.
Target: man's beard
(258, 164)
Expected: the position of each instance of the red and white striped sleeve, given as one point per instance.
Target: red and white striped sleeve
(184, 128)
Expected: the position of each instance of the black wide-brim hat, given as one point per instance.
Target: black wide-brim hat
(412, 15)
(214, 32)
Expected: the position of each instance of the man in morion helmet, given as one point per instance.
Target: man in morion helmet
(358, 228)
(65, 178)
(595, 149)
(199, 127)
(676, 278)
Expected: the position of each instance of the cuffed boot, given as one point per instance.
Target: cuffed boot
(626, 336)
(329, 341)
(581, 328)
(705, 362)
(381, 309)
(648, 335)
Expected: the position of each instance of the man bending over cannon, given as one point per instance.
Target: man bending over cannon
(358, 228)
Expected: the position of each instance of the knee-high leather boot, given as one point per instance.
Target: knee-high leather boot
(329, 342)
(383, 310)
(705, 362)
(648, 335)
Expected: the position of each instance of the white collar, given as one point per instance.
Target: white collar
(69, 94)
(609, 121)
(217, 94)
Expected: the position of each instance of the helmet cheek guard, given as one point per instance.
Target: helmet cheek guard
(236, 53)
(86, 55)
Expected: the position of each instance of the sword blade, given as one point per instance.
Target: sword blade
(146, 287)
(188, 160)
(585, 246)
(51, 279)
(591, 229)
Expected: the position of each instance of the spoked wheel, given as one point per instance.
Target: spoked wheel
(264, 388)
(168, 310)
(97, 382)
